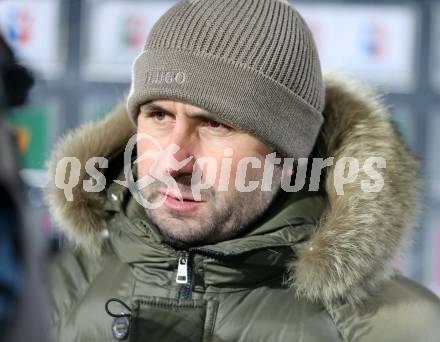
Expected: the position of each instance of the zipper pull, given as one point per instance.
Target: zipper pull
(182, 271)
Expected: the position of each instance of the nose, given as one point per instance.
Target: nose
(178, 154)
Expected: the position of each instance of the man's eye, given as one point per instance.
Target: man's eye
(158, 115)
(215, 125)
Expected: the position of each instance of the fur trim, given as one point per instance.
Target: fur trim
(351, 251)
(83, 219)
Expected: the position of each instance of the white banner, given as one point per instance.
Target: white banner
(115, 34)
(33, 30)
(376, 43)
(435, 56)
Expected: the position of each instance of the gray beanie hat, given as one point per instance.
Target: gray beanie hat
(253, 64)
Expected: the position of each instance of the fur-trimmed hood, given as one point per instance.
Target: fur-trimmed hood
(359, 234)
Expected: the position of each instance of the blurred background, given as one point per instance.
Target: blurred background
(81, 53)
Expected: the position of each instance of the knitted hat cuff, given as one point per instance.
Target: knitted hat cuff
(235, 93)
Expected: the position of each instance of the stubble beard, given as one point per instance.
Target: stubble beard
(223, 216)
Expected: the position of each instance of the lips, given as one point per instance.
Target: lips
(176, 197)
(187, 204)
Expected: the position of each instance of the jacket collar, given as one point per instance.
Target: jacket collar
(260, 255)
(350, 251)
(289, 219)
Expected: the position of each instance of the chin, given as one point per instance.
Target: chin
(185, 234)
(181, 229)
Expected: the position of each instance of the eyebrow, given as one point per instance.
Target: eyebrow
(153, 107)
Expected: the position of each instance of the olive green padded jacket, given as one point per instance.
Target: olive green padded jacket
(316, 267)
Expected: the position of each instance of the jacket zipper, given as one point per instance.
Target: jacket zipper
(184, 270)
(184, 275)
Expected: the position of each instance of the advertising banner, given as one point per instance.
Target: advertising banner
(35, 128)
(115, 34)
(435, 55)
(33, 30)
(376, 43)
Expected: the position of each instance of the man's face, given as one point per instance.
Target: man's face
(222, 210)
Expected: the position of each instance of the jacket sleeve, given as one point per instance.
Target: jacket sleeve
(402, 311)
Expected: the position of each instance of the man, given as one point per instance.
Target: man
(185, 247)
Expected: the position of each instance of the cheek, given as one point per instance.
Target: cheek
(141, 124)
(144, 166)
(226, 180)
(249, 170)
